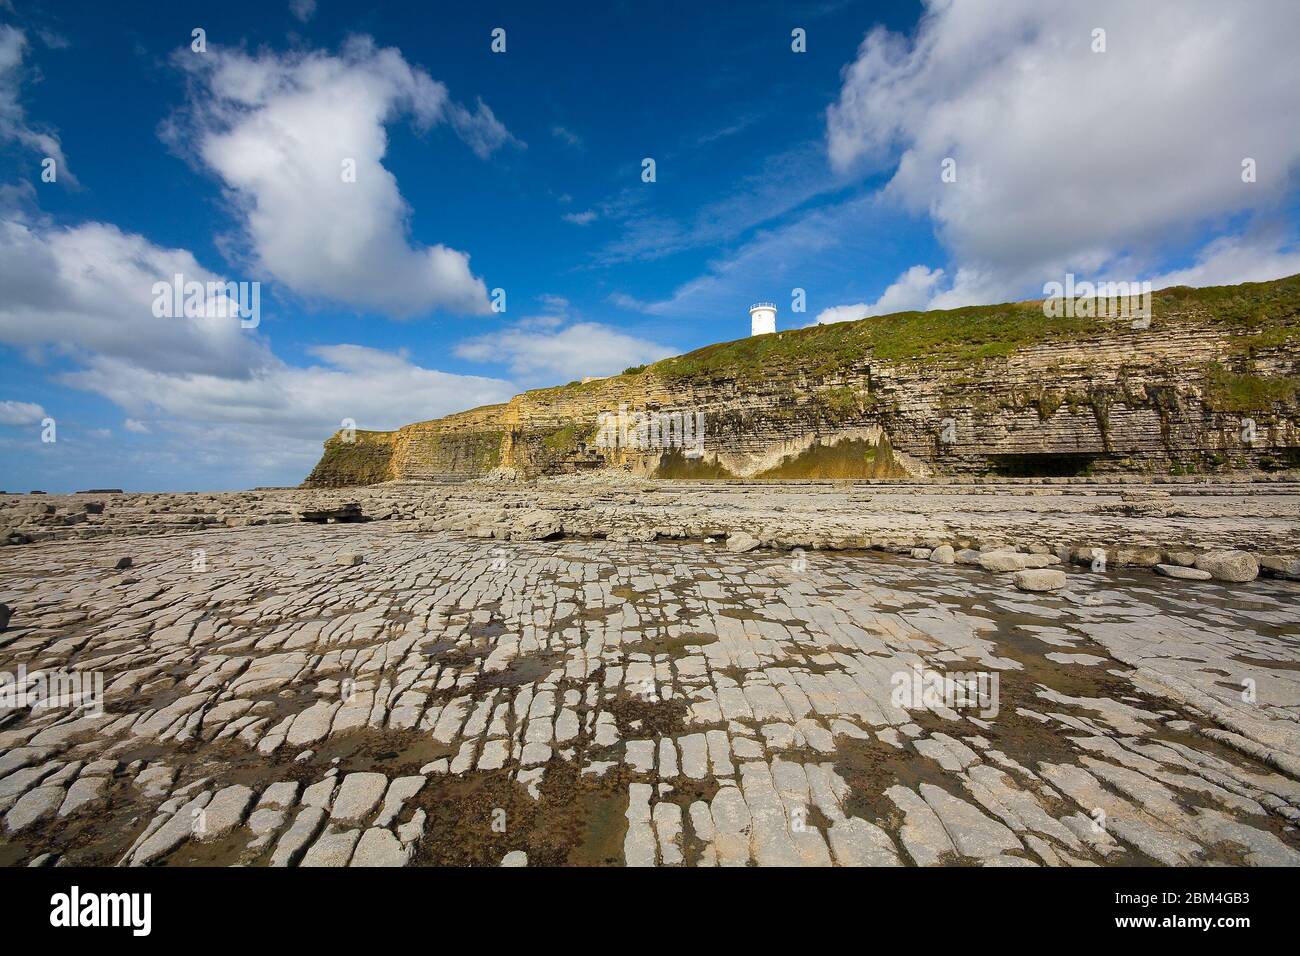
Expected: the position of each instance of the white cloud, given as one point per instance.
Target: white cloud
(20, 413)
(222, 408)
(567, 136)
(270, 425)
(280, 129)
(1067, 159)
(783, 183)
(304, 10)
(14, 125)
(767, 266)
(581, 218)
(212, 391)
(631, 303)
(481, 130)
(1233, 259)
(375, 388)
(912, 290)
(88, 289)
(537, 350)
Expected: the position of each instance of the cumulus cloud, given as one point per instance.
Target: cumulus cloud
(14, 125)
(20, 413)
(1069, 159)
(912, 290)
(549, 348)
(375, 388)
(208, 402)
(299, 139)
(1233, 259)
(213, 392)
(88, 289)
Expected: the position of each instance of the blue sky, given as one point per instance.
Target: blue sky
(522, 171)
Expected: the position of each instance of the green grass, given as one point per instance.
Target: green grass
(565, 438)
(674, 464)
(1227, 391)
(365, 460)
(1250, 305)
(1266, 314)
(846, 458)
(844, 402)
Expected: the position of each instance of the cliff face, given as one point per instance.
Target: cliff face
(1210, 383)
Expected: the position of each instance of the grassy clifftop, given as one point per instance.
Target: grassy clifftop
(1265, 313)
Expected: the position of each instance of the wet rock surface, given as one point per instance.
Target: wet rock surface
(465, 696)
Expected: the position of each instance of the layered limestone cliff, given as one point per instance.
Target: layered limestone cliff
(1209, 383)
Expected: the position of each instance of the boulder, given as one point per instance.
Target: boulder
(741, 541)
(1040, 579)
(1278, 565)
(1003, 561)
(1089, 555)
(1126, 557)
(1237, 567)
(1135, 557)
(943, 554)
(1178, 571)
(536, 525)
(347, 560)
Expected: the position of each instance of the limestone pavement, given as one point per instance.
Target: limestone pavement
(388, 693)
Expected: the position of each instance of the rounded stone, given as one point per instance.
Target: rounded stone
(1186, 574)
(1237, 567)
(741, 541)
(1040, 579)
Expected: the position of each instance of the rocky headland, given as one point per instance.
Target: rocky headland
(1206, 385)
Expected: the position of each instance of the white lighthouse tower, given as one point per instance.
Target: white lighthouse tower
(762, 318)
